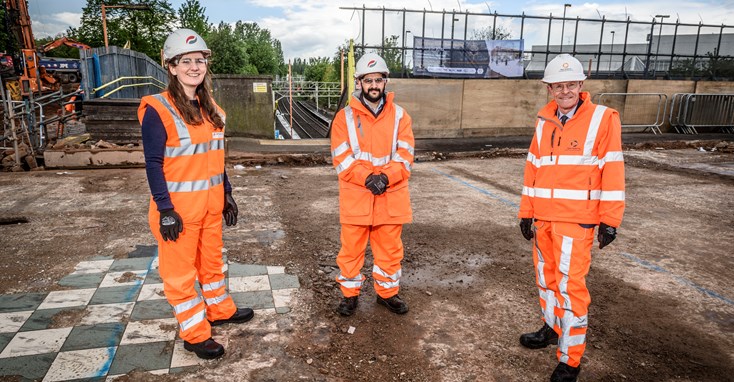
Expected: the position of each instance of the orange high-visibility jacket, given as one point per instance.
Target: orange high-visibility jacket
(362, 145)
(193, 163)
(575, 173)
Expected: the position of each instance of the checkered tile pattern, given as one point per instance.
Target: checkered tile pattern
(113, 318)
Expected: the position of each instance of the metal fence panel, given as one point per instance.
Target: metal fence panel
(637, 110)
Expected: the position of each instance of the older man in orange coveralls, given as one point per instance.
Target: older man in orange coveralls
(372, 149)
(574, 181)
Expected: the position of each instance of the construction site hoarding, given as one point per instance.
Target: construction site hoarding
(435, 57)
(248, 102)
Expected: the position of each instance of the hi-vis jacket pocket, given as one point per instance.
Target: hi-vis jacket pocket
(572, 230)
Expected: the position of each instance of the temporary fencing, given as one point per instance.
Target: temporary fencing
(645, 111)
(691, 112)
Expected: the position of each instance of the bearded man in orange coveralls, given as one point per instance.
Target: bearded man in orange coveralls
(372, 149)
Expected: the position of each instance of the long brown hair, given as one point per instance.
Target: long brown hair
(190, 114)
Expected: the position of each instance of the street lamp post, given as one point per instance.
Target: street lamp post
(611, 55)
(563, 24)
(104, 18)
(405, 36)
(657, 50)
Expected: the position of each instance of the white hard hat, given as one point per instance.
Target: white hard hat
(562, 68)
(183, 41)
(370, 63)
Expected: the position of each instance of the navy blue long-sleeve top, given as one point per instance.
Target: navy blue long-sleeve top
(154, 144)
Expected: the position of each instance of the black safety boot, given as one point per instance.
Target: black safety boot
(540, 339)
(565, 373)
(240, 315)
(348, 305)
(394, 304)
(208, 349)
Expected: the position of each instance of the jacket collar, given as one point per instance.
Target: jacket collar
(358, 106)
(549, 111)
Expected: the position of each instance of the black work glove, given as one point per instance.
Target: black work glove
(230, 210)
(526, 227)
(606, 235)
(171, 224)
(376, 183)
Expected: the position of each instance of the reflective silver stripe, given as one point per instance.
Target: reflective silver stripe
(547, 295)
(388, 284)
(564, 266)
(381, 161)
(593, 129)
(610, 196)
(539, 132)
(379, 271)
(536, 162)
(216, 144)
(351, 130)
(577, 160)
(183, 132)
(363, 156)
(186, 305)
(340, 150)
(345, 164)
(195, 319)
(546, 161)
(576, 340)
(351, 283)
(612, 156)
(400, 159)
(186, 149)
(213, 286)
(559, 193)
(594, 194)
(398, 117)
(536, 192)
(566, 340)
(216, 180)
(217, 300)
(405, 145)
(195, 185)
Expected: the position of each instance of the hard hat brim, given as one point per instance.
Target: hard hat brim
(563, 77)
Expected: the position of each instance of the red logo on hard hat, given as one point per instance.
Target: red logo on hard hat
(371, 63)
(191, 40)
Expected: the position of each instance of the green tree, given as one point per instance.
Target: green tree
(228, 52)
(499, 33)
(146, 30)
(264, 52)
(192, 15)
(318, 69)
(391, 54)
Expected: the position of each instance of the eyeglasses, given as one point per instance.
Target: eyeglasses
(370, 81)
(192, 61)
(558, 88)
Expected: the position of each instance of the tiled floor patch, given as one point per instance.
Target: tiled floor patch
(112, 318)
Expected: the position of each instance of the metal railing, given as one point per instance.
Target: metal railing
(646, 111)
(644, 49)
(151, 81)
(690, 112)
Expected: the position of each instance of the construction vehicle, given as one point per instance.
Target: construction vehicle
(33, 73)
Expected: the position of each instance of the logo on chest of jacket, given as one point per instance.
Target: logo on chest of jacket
(573, 146)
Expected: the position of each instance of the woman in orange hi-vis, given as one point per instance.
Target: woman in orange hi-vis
(183, 140)
(372, 150)
(574, 181)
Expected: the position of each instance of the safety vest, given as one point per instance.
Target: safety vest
(363, 144)
(193, 163)
(575, 173)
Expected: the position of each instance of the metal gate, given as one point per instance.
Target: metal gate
(690, 112)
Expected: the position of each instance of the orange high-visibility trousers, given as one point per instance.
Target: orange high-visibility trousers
(387, 250)
(562, 256)
(197, 253)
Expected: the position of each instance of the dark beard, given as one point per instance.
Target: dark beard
(368, 97)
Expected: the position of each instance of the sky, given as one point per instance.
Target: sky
(311, 28)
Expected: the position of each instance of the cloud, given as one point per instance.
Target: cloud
(55, 24)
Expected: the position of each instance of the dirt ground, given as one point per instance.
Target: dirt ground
(662, 293)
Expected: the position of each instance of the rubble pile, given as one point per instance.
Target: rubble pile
(15, 162)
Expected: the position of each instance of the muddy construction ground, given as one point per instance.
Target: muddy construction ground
(662, 293)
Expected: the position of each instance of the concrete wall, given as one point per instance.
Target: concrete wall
(249, 114)
(466, 108)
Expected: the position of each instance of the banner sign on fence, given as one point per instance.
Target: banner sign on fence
(435, 57)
